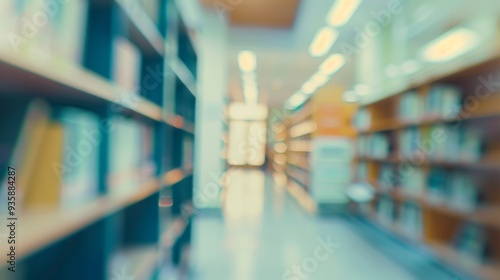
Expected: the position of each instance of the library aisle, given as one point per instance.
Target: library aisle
(264, 233)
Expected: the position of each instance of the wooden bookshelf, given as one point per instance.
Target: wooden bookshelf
(42, 227)
(122, 220)
(441, 223)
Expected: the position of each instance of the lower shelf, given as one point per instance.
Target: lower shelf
(42, 227)
(444, 253)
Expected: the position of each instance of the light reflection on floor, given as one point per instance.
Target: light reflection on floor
(264, 233)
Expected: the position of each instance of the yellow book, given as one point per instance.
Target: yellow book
(30, 143)
(44, 187)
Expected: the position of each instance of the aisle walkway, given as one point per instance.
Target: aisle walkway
(265, 235)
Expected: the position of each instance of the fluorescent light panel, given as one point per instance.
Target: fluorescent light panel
(450, 45)
(332, 64)
(341, 12)
(323, 41)
(309, 87)
(296, 100)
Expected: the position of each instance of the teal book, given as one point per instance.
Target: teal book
(80, 165)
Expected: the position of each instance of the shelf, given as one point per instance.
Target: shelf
(176, 175)
(299, 146)
(486, 215)
(42, 227)
(453, 257)
(440, 252)
(300, 164)
(470, 69)
(303, 129)
(179, 122)
(482, 164)
(392, 124)
(143, 31)
(297, 181)
(183, 73)
(20, 73)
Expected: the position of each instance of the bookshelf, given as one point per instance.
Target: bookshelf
(119, 112)
(320, 126)
(451, 181)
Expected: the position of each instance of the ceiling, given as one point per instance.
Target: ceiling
(281, 43)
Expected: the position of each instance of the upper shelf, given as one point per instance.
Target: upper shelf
(466, 70)
(43, 227)
(142, 29)
(183, 73)
(20, 73)
(488, 109)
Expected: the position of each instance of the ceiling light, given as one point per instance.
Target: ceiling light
(247, 61)
(323, 41)
(319, 79)
(295, 100)
(350, 96)
(341, 11)
(450, 45)
(309, 87)
(332, 64)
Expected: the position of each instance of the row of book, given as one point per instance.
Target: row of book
(362, 119)
(56, 152)
(456, 189)
(442, 142)
(408, 218)
(377, 145)
(439, 142)
(441, 101)
(41, 28)
(470, 240)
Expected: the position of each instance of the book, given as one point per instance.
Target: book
(362, 119)
(411, 220)
(81, 156)
(70, 26)
(379, 146)
(387, 178)
(126, 64)
(409, 142)
(44, 186)
(147, 152)
(124, 155)
(471, 144)
(413, 181)
(362, 146)
(438, 186)
(362, 171)
(443, 101)
(471, 242)
(385, 210)
(464, 193)
(27, 122)
(410, 107)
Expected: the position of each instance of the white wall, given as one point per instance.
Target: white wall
(212, 87)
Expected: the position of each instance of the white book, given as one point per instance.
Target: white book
(126, 64)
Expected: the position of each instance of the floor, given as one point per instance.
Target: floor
(264, 234)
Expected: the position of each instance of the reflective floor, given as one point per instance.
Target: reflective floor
(264, 234)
